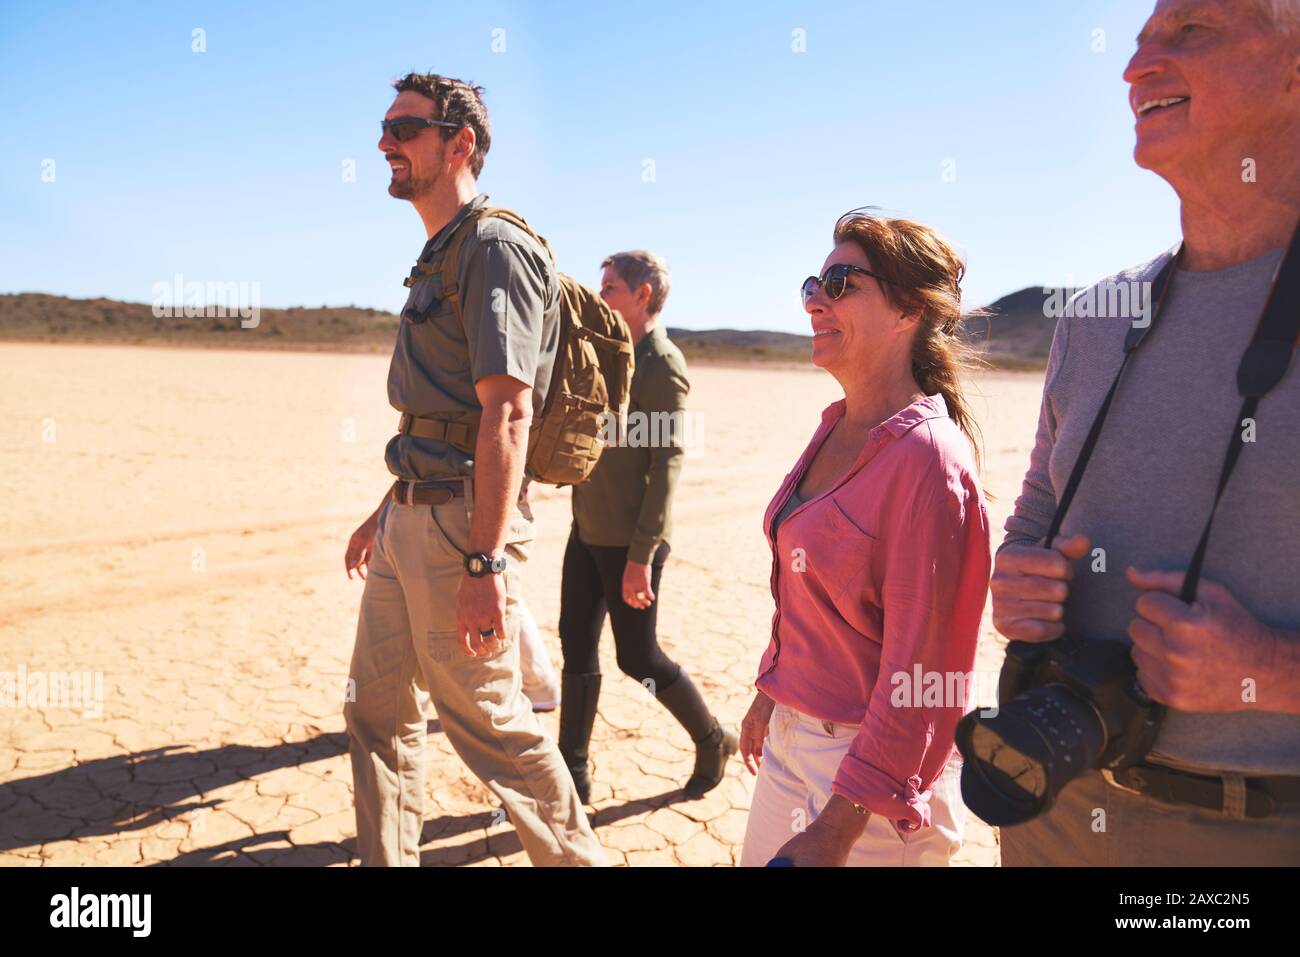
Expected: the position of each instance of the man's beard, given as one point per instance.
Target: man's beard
(412, 187)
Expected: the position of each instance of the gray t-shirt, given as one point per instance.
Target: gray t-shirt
(1149, 485)
(510, 303)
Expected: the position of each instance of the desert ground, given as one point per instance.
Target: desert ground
(174, 523)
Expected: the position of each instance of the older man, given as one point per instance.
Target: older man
(1215, 88)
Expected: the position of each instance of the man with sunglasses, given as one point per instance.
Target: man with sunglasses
(444, 550)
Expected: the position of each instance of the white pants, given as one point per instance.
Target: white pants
(800, 758)
(541, 682)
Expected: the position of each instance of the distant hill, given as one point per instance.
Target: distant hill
(57, 318)
(1016, 333)
(1015, 336)
(741, 344)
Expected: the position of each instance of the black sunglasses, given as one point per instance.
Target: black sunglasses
(406, 128)
(836, 280)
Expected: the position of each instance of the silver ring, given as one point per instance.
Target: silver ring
(487, 634)
(641, 595)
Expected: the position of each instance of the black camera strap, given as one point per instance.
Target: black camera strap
(1136, 335)
(1262, 367)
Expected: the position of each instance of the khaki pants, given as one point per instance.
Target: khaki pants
(406, 644)
(800, 758)
(1094, 824)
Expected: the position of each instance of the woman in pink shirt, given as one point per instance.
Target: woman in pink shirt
(880, 569)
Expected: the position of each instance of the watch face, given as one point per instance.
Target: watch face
(479, 564)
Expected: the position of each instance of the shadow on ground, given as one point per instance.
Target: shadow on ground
(112, 796)
(136, 791)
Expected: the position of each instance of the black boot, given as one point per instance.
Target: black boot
(713, 745)
(578, 697)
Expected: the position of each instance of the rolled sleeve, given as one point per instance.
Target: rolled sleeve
(664, 389)
(503, 302)
(935, 585)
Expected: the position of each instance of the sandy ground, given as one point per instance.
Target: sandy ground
(174, 525)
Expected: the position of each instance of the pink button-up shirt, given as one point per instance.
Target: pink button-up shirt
(881, 581)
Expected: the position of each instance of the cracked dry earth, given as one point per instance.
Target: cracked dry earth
(175, 522)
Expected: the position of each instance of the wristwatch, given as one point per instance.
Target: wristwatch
(477, 564)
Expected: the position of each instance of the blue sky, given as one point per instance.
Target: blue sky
(227, 165)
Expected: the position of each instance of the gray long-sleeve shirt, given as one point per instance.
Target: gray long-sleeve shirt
(1150, 482)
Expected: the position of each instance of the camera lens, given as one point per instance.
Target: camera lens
(1017, 761)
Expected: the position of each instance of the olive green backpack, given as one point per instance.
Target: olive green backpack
(589, 382)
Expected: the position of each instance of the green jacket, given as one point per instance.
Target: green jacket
(627, 500)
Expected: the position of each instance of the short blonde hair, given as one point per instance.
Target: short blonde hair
(639, 266)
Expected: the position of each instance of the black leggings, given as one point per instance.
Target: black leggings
(592, 585)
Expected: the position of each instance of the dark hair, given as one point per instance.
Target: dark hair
(923, 275)
(456, 102)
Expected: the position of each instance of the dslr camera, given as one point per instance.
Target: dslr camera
(1065, 707)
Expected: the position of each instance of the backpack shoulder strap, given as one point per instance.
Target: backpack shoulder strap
(514, 219)
(452, 254)
(450, 263)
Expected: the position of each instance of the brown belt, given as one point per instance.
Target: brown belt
(1261, 798)
(432, 492)
(462, 434)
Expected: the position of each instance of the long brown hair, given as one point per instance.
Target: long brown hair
(923, 275)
